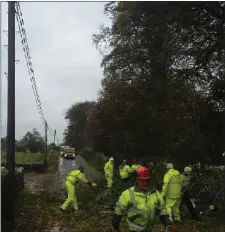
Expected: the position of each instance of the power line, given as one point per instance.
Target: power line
(24, 41)
(22, 31)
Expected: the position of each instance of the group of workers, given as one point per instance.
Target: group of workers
(142, 202)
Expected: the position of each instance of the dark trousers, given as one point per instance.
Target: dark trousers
(126, 183)
(187, 201)
(126, 180)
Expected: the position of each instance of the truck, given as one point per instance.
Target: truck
(69, 153)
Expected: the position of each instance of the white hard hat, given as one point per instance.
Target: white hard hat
(111, 159)
(169, 166)
(187, 169)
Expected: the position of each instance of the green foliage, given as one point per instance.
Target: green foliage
(76, 132)
(53, 161)
(163, 88)
(162, 93)
(22, 158)
(3, 144)
(32, 141)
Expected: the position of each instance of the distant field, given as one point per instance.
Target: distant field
(25, 158)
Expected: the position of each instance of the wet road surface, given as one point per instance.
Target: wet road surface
(66, 165)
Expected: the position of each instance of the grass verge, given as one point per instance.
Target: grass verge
(53, 161)
(21, 157)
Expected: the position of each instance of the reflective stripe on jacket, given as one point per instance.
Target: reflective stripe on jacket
(134, 167)
(172, 184)
(108, 168)
(124, 171)
(140, 208)
(75, 176)
(185, 182)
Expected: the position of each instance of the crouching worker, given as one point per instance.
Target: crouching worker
(72, 179)
(140, 204)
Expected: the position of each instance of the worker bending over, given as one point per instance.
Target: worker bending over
(72, 179)
(171, 191)
(140, 204)
(108, 168)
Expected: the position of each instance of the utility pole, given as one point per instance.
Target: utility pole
(11, 90)
(0, 73)
(10, 162)
(46, 143)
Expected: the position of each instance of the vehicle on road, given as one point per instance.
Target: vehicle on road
(69, 153)
(62, 150)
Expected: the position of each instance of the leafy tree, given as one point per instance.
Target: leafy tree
(4, 143)
(76, 131)
(163, 66)
(33, 141)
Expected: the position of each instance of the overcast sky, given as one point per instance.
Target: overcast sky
(66, 63)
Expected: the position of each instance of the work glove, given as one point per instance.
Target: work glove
(169, 228)
(94, 185)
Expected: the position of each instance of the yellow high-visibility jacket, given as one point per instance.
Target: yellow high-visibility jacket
(185, 180)
(124, 171)
(134, 167)
(108, 168)
(172, 184)
(75, 176)
(140, 208)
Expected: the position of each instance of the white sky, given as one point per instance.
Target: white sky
(66, 63)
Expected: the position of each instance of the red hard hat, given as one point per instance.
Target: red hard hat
(143, 173)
